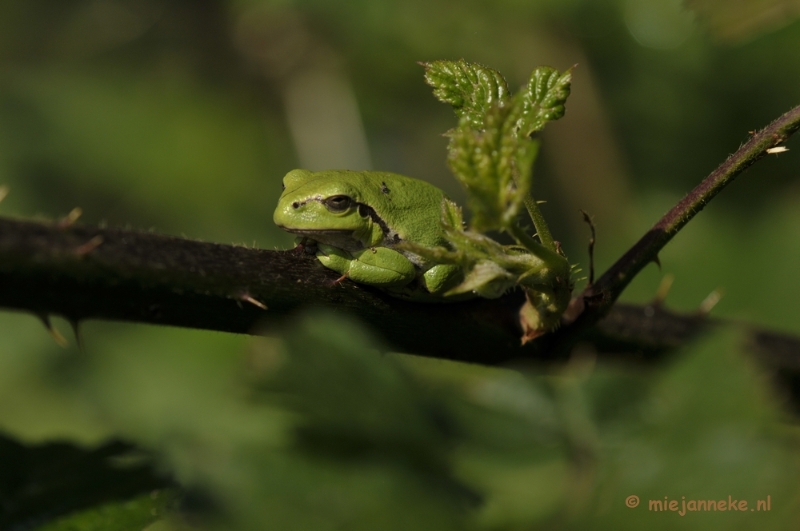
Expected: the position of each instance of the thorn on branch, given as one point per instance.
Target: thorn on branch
(255, 302)
(776, 150)
(68, 220)
(89, 246)
(709, 302)
(657, 261)
(646, 250)
(60, 340)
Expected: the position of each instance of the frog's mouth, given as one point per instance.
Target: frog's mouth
(340, 238)
(316, 232)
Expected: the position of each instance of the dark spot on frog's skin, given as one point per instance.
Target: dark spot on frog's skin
(388, 234)
(384, 188)
(374, 251)
(295, 205)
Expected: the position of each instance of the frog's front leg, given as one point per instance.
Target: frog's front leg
(376, 266)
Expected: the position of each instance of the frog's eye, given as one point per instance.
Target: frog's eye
(338, 203)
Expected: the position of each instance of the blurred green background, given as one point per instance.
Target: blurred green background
(182, 117)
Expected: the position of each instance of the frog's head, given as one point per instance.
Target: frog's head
(326, 207)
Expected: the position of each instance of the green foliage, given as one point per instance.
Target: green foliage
(130, 515)
(495, 167)
(702, 428)
(472, 89)
(543, 98)
(491, 150)
(492, 268)
(316, 428)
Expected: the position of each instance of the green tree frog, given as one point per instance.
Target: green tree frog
(357, 219)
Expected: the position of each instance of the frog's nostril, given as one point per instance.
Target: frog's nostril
(295, 205)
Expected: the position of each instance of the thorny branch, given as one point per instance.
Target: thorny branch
(81, 272)
(598, 298)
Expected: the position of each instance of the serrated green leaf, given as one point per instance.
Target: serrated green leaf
(491, 152)
(452, 216)
(475, 160)
(471, 89)
(543, 99)
(494, 164)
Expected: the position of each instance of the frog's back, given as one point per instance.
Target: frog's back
(411, 207)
